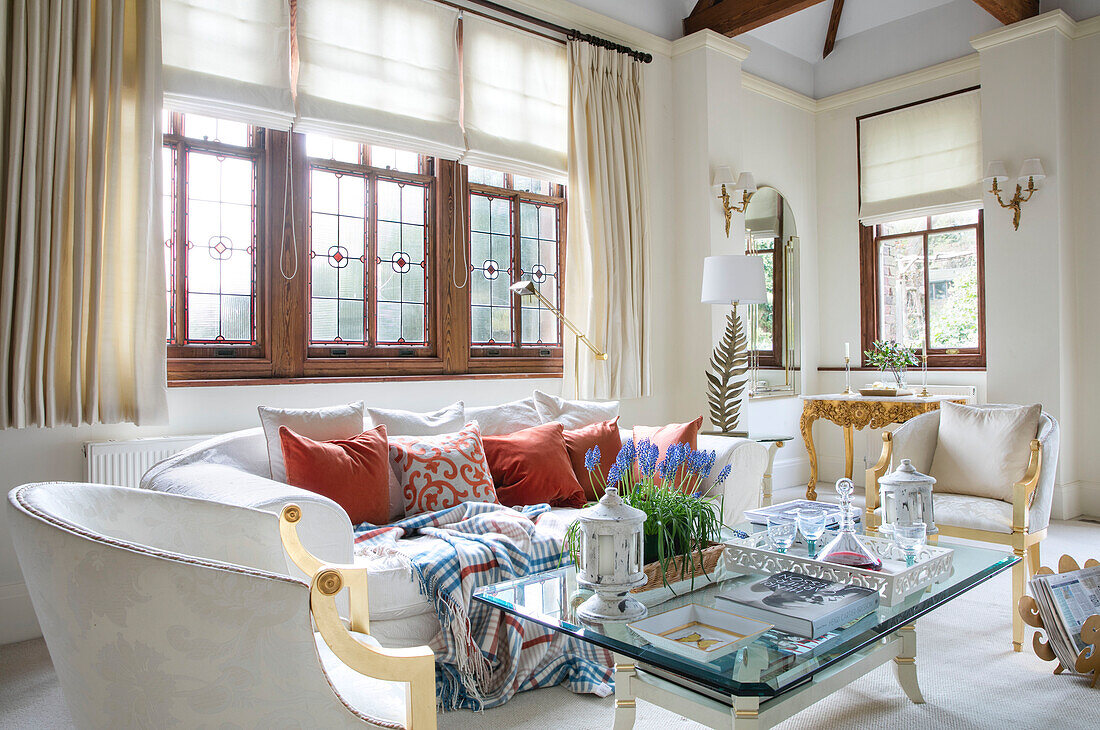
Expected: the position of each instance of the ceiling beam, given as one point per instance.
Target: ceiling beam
(1010, 11)
(834, 24)
(733, 17)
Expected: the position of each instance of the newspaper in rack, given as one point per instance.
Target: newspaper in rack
(1065, 601)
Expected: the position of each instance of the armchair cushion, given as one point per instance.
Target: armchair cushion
(382, 701)
(983, 452)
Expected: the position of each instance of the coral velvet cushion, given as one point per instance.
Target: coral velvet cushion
(352, 472)
(665, 436)
(532, 466)
(578, 441)
(437, 472)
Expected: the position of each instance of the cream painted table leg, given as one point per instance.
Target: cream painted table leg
(905, 664)
(625, 701)
(766, 494)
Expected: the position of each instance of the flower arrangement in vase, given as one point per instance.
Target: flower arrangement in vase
(680, 522)
(889, 355)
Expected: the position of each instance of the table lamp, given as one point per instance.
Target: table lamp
(730, 280)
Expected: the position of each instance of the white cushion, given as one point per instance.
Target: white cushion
(319, 424)
(505, 418)
(403, 633)
(410, 423)
(373, 698)
(574, 413)
(983, 452)
(973, 513)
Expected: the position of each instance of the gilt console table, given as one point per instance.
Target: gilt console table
(856, 412)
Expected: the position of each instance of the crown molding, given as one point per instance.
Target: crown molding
(1085, 28)
(943, 70)
(569, 14)
(707, 38)
(1054, 20)
(773, 90)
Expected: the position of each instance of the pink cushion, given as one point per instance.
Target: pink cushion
(437, 472)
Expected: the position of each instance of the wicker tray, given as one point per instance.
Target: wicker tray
(893, 583)
(701, 565)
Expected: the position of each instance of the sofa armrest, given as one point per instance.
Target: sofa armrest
(325, 528)
(748, 461)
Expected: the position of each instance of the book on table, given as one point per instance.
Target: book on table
(801, 604)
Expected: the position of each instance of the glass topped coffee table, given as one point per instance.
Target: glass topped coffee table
(763, 683)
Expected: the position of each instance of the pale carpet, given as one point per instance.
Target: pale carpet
(968, 673)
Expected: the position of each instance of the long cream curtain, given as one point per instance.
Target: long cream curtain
(608, 233)
(82, 291)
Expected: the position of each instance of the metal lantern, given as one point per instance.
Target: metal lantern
(906, 497)
(611, 559)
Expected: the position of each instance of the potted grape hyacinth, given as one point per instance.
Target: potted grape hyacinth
(682, 526)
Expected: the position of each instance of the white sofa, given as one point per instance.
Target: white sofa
(233, 469)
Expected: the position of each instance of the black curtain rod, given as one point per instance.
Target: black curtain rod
(570, 33)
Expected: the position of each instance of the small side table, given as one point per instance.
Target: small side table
(774, 443)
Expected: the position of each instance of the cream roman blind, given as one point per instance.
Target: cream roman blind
(380, 71)
(517, 100)
(922, 159)
(229, 59)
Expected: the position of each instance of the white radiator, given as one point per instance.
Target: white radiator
(122, 463)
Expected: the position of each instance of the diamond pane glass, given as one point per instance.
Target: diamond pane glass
(901, 290)
(490, 270)
(401, 263)
(538, 262)
(168, 197)
(337, 254)
(953, 289)
(221, 247)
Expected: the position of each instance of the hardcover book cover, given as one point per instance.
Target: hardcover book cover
(801, 604)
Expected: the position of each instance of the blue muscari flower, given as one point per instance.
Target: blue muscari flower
(592, 458)
(613, 474)
(723, 474)
(626, 453)
(647, 457)
(707, 465)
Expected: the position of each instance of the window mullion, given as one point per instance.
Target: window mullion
(514, 271)
(370, 272)
(927, 314)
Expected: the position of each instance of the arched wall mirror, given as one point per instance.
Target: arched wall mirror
(775, 326)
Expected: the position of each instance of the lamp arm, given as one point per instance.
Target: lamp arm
(600, 355)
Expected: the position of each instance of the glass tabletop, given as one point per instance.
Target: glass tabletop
(769, 665)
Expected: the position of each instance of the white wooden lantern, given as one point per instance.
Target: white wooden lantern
(611, 559)
(906, 497)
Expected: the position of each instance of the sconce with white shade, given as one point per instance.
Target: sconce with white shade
(730, 280)
(1031, 172)
(745, 184)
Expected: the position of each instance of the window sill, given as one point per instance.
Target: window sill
(215, 382)
(931, 368)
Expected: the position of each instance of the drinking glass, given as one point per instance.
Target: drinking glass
(811, 523)
(910, 538)
(781, 531)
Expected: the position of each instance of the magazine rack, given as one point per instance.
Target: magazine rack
(1088, 662)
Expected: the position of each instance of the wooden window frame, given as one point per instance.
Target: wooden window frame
(283, 352)
(870, 301)
(773, 358)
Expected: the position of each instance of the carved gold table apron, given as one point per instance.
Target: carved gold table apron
(856, 412)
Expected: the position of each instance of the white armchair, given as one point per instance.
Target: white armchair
(1020, 524)
(165, 610)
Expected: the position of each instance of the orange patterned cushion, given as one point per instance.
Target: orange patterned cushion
(437, 472)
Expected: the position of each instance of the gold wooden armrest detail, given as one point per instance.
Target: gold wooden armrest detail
(1023, 492)
(308, 563)
(415, 666)
(1088, 661)
(875, 473)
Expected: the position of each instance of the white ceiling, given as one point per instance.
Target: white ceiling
(802, 34)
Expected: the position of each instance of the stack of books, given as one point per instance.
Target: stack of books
(801, 604)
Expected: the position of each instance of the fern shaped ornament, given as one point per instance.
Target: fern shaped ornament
(726, 379)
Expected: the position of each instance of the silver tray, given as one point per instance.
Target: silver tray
(894, 582)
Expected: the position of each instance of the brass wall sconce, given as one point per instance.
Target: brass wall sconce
(527, 288)
(1031, 172)
(745, 184)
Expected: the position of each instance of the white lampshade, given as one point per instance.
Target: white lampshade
(728, 279)
(996, 171)
(746, 182)
(722, 176)
(1033, 169)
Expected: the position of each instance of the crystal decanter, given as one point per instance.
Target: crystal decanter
(846, 548)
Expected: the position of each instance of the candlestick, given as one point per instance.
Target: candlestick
(848, 376)
(847, 350)
(924, 373)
